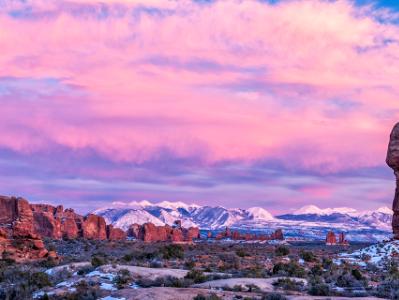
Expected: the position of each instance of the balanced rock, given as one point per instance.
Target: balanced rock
(393, 162)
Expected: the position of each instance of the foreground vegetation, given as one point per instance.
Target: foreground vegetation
(204, 262)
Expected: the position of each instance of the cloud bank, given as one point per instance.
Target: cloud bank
(165, 98)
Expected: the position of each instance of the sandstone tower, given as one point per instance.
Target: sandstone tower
(393, 162)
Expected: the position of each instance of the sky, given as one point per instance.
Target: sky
(277, 104)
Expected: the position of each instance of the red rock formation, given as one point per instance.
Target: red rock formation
(115, 234)
(71, 224)
(393, 162)
(331, 239)
(134, 231)
(191, 233)
(341, 240)
(94, 228)
(24, 225)
(236, 235)
(18, 241)
(278, 235)
(148, 232)
(177, 235)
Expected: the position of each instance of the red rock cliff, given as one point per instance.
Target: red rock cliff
(393, 162)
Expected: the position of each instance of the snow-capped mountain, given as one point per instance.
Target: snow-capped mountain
(309, 221)
(259, 213)
(313, 209)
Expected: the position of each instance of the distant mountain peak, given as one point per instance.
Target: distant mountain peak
(260, 213)
(313, 209)
(385, 210)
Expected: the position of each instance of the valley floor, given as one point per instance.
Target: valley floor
(203, 271)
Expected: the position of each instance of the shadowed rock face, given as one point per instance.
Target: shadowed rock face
(393, 162)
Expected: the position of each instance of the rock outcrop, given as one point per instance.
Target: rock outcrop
(393, 162)
(23, 225)
(331, 239)
(18, 240)
(115, 234)
(236, 235)
(149, 232)
(94, 228)
(134, 231)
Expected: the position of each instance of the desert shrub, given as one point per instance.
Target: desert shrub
(274, 296)
(347, 279)
(212, 296)
(127, 257)
(122, 278)
(316, 270)
(388, 289)
(85, 270)
(167, 281)
(327, 263)
(252, 288)
(156, 264)
(307, 256)
(289, 284)
(196, 276)
(241, 253)
(172, 251)
(40, 280)
(189, 264)
(84, 291)
(319, 289)
(290, 269)
(97, 261)
(357, 274)
(282, 251)
(237, 288)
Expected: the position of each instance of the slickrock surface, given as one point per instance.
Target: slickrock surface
(393, 161)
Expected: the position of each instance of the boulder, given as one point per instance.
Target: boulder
(393, 162)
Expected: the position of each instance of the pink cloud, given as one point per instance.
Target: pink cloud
(234, 80)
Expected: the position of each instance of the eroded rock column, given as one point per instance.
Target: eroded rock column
(393, 162)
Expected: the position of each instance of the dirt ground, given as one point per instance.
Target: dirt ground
(159, 293)
(265, 284)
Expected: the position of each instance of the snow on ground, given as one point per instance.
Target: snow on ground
(107, 286)
(375, 254)
(100, 274)
(69, 268)
(112, 298)
(265, 284)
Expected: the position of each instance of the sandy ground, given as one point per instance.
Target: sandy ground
(265, 284)
(149, 273)
(332, 298)
(159, 293)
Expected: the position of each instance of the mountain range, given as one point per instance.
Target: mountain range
(308, 222)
